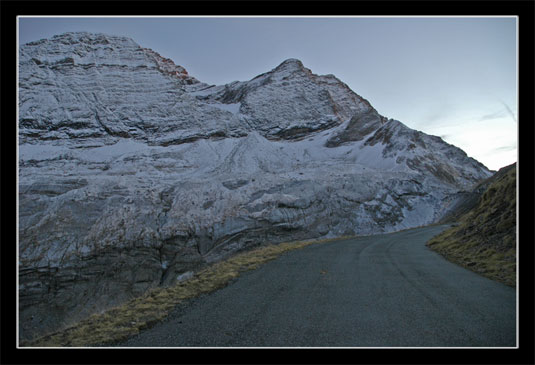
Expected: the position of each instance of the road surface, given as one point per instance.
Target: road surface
(379, 291)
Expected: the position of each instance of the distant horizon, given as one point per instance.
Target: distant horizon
(453, 77)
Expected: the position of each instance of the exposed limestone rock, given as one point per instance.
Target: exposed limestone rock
(133, 173)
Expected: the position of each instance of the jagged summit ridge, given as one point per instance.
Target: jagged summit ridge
(290, 64)
(274, 103)
(98, 49)
(130, 175)
(291, 61)
(82, 37)
(278, 103)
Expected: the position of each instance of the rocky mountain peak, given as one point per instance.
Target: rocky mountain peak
(290, 63)
(81, 44)
(71, 38)
(87, 50)
(291, 66)
(131, 172)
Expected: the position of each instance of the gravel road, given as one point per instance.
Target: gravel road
(379, 291)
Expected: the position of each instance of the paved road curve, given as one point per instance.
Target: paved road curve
(386, 290)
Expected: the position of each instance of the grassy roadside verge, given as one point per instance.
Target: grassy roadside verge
(121, 322)
(470, 254)
(484, 239)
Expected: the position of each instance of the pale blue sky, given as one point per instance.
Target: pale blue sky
(454, 77)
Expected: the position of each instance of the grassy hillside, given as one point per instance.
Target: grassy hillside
(484, 238)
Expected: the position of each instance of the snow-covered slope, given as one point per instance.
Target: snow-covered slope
(133, 172)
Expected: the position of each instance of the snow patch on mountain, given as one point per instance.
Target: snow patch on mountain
(133, 173)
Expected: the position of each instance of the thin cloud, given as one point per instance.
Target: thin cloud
(505, 148)
(495, 115)
(500, 113)
(509, 110)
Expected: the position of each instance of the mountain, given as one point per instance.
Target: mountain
(483, 238)
(132, 172)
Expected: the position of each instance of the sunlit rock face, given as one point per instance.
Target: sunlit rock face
(132, 172)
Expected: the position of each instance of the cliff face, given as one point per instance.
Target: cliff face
(132, 172)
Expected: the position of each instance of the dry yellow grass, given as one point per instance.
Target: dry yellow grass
(121, 322)
(484, 240)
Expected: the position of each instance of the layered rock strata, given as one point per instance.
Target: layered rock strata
(132, 172)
